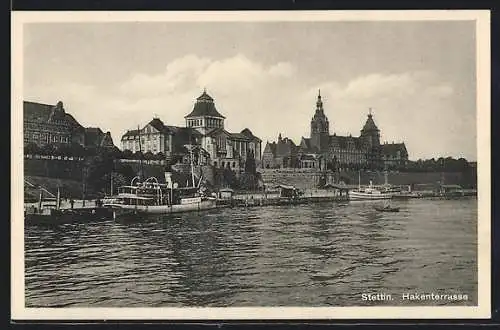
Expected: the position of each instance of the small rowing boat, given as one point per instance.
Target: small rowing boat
(386, 208)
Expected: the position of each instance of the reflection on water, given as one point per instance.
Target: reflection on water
(309, 255)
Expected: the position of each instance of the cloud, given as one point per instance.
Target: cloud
(417, 107)
(178, 75)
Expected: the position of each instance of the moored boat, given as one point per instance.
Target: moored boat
(369, 193)
(151, 197)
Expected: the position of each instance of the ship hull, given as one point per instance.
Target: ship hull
(359, 196)
(130, 210)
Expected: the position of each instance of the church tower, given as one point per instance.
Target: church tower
(320, 128)
(370, 135)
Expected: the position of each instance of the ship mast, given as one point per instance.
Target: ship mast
(140, 151)
(192, 167)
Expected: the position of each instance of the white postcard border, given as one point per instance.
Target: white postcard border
(483, 62)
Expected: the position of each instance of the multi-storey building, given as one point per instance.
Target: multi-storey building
(280, 154)
(322, 150)
(50, 124)
(204, 128)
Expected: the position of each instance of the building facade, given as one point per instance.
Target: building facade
(394, 155)
(325, 151)
(50, 124)
(280, 154)
(204, 127)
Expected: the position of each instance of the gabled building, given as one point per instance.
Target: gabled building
(280, 154)
(50, 124)
(338, 151)
(394, 154)
(44, 124)
(205, 128)
(156, 137)
(95, 137)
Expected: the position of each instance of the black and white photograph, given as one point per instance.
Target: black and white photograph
(251, 165)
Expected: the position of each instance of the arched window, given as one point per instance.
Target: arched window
(234, 164)
(222, 164)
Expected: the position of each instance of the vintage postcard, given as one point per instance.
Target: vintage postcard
(250, 165)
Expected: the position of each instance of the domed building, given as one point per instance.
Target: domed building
(204, 129)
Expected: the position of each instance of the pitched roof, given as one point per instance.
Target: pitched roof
(39, 112)
(204, 106)
(305, 143)
(306, 148)
(183, 136)
(132, 132)
(343, 142)
(270, 148)
(216, 130)
(96, 137)
(369, 124)
(250, 135)
(285, 147)
(393, 148)
(157, 124)
(239, 136)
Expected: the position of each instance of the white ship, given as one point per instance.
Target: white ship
(369, 193)
(151, 197)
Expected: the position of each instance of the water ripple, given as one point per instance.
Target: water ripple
(310, 255)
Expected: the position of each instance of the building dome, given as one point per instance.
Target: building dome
(204, 107)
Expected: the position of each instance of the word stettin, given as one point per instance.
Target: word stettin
(434, 296)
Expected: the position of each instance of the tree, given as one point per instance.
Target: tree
(250, 166)
(118, 180)
(160, 156)
(31, 149)
(127, 154)
(149, 155)
(65, 150)
(91, 151)
(126, 170)
(116, 152)
(138, 155)
(77, 150)
(48, 150)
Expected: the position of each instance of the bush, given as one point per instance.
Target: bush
(31, 149)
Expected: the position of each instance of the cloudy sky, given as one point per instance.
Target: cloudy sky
(419, 77)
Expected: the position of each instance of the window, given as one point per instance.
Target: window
(234, 164)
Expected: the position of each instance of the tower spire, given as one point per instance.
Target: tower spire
(319, 103)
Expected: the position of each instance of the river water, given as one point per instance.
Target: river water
(306, 255)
